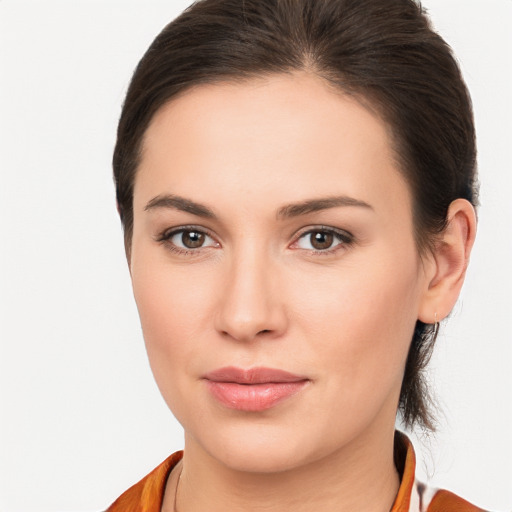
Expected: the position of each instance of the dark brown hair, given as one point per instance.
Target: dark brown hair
(383, 52)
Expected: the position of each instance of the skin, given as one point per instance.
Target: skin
(258, 293)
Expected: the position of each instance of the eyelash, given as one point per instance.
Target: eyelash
(344, 238)
(166, 236)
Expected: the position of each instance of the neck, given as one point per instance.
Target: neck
(361, 476)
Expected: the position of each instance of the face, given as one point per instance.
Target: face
(275, 270)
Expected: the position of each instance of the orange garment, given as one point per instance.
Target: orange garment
(147, 495)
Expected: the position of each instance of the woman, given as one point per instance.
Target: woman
(296, 181)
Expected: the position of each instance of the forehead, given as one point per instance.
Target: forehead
(283, 134)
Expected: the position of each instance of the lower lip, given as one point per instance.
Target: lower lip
(253, 397)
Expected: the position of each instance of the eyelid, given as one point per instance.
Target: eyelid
(168, 232)
(346, 237)
(165, 236)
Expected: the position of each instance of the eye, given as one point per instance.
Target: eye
(323, 240)
(184, 239)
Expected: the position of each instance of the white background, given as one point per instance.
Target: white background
(81, 418)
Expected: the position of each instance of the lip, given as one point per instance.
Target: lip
(253, 389)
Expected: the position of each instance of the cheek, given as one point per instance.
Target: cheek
(172, 308)
(361, 322)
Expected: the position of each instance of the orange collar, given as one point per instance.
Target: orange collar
(147, 495)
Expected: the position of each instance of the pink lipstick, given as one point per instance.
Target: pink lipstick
(254, 389)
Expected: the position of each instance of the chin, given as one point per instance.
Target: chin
(260, 456)
(259, 447)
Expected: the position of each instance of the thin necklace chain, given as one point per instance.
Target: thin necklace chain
(176, 490)
(174, 508)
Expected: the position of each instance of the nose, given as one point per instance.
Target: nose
(251, 305)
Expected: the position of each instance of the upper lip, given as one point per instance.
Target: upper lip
(259, 375)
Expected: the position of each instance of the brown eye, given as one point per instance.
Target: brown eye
(324, 240)
(192, 239)
(321, 240)
(183, 239)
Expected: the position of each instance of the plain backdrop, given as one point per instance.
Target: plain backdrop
(81, 418)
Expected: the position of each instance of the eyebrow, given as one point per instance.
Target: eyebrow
(315, 205)
(291, 210)
(180, 203)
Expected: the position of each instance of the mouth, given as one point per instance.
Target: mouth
(254, 389)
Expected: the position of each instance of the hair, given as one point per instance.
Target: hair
(384, 53)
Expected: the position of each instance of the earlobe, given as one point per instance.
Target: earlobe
(450, 259)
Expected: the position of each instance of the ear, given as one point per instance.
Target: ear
(448, 263)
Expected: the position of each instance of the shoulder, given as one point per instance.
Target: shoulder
(414, 496)
(440, 500)
(147, 494)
